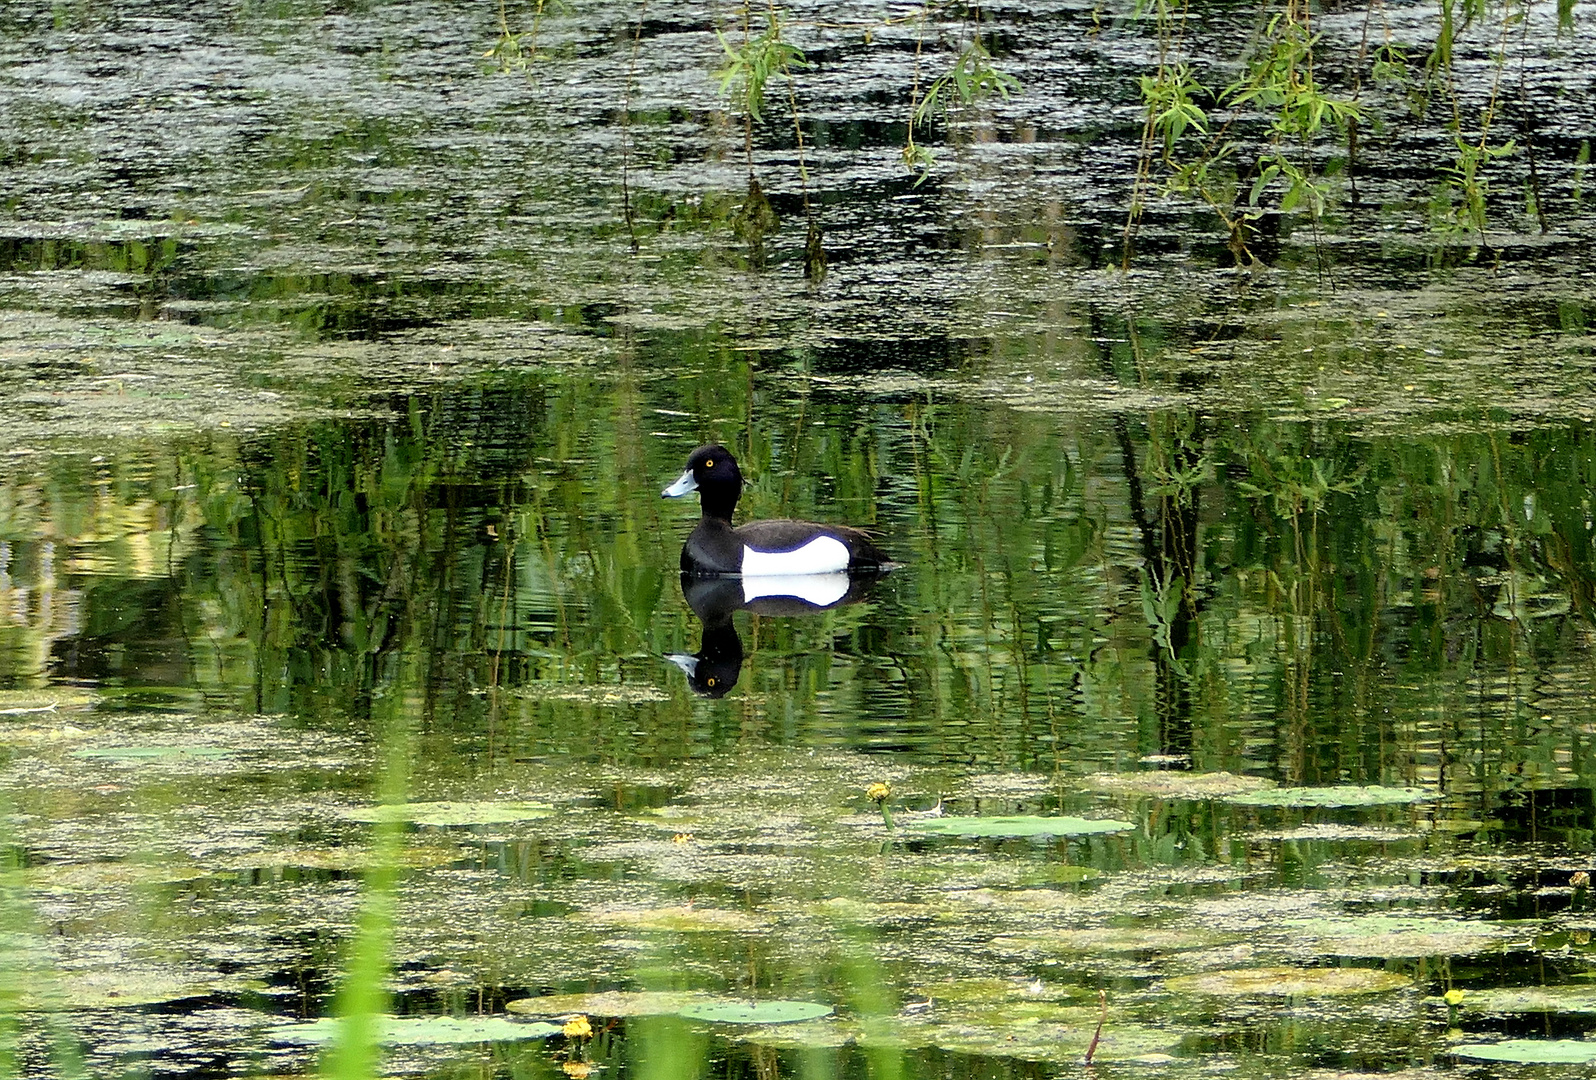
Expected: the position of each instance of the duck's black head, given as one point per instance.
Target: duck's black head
(713, 473)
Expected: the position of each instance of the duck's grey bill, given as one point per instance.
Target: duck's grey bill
(686, 661)
(684, 484)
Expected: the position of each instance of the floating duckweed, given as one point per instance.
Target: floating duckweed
(609, 1003)
(421, 1031)
(1349, 795)
(1531, 999)
(1177, 785)
(680, 919)
(1289, 982)
(1530, 1051)
(1021, 825)
(756, 1012)
(1114, 939)
(803, 1035)
(1384, 937)
(445, 814)
(152, 753)
(124, 986)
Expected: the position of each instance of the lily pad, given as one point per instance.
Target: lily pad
(1020, 825)
(846, 909)
(1373, 795)
(823, 1034)
(1532, 999)
(421, 1031)
(610, 1003)
(1289, 982)
(1384, 937)
(680, 919)
(445, 814)
(119, 877)
(1114, 939)
(1177, 785)
(152, 753)
(1061, 1037)
(125, 986)
(987, 992)
(756, 1012)
(273, 861)
(1530, 1051)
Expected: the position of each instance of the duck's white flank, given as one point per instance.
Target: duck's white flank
(822, 555)
(821, 590)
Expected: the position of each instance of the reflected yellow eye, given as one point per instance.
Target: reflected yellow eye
(710, 464)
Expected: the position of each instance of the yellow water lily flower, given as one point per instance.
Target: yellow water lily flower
(1453, 997)
(878, 792)
(577, 1027)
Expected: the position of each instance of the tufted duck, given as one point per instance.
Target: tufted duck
(760, 548)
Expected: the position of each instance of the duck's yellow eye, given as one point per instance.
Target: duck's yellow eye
(710, 681)
(710, 464)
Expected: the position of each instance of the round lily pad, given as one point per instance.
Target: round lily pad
(1114, 939)
(1177, 785)
(1385, 937)
(125, 986)
(1289, 982)
(445, 814)
(812, 1035)
(679, 919)
(1530, 1051)
(1532, 999)
(151, 753)
(610, 1003)
(421, 1030)
(1022, 825)
(1051, 1042)
(756, 1012)
(1331, 796)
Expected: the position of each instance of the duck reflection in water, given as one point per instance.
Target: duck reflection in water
(714, 669)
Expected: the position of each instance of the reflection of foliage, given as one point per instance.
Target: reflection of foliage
(351, 552)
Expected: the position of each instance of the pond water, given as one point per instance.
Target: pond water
(338, 410)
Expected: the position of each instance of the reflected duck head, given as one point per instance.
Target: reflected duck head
(714, 669)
